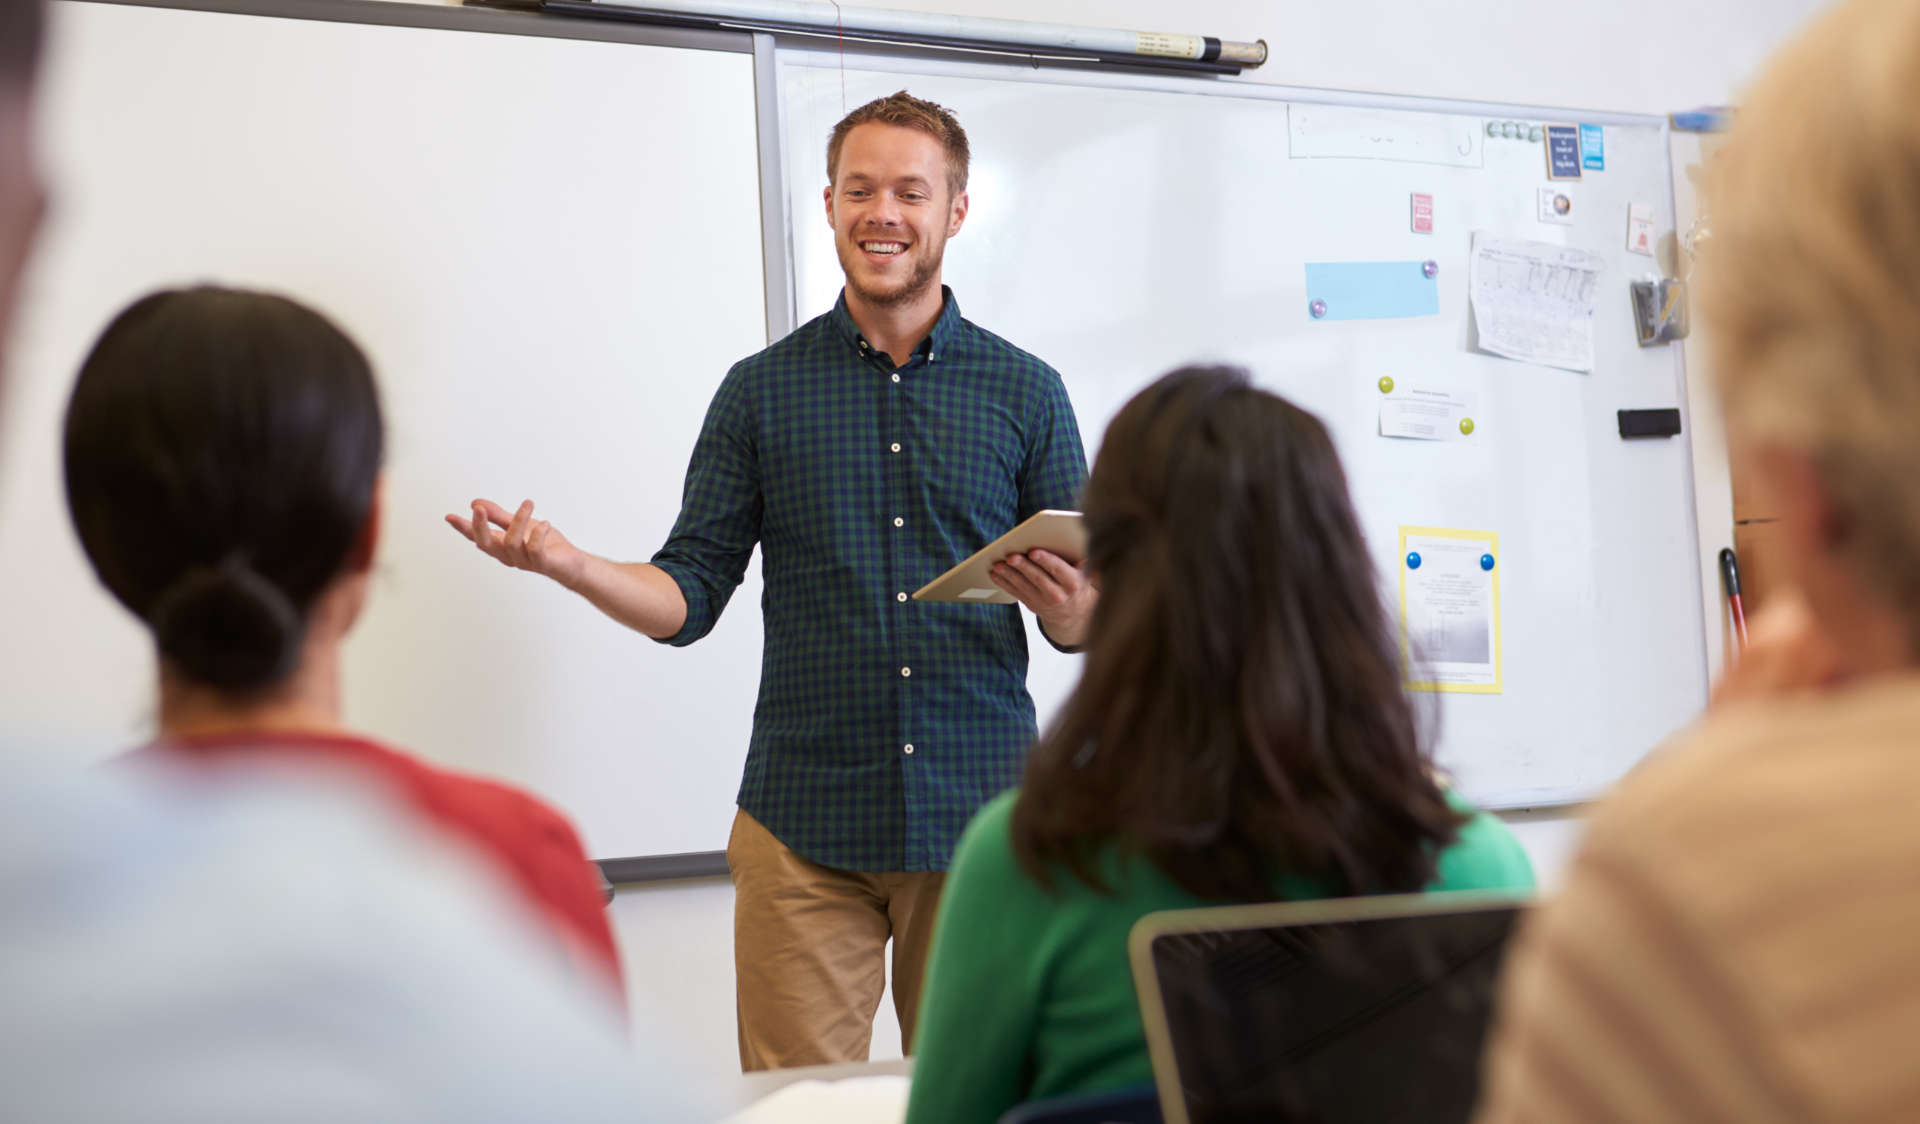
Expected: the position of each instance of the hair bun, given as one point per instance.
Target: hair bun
(228, 627)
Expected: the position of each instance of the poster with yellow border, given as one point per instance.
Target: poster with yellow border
(1450, 610)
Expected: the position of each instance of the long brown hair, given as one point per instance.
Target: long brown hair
(1240, 717)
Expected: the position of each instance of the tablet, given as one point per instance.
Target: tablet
(1061, 532)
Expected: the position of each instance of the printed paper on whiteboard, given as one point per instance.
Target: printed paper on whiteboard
(1450, 609)
(1533, 301)
(1427, 414)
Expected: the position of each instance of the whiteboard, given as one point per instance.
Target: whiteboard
(551, 259)
(1123, 226)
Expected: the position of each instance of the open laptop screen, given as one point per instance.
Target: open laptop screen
(1362, 1009)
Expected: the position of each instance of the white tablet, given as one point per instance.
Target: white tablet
(1061, 532)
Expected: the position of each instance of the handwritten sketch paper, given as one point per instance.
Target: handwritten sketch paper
(1533, 301)
(1427, 414)
(1450, 609)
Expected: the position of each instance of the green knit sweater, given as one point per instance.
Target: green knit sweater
(1029, 993)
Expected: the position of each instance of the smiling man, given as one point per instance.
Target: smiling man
(866, 453)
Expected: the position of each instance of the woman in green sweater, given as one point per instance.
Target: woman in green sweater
(1239, 734)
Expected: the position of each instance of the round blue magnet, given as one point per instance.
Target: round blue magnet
(1413, 560)
(1430, 269)
(1318, 308)
(1486, 561)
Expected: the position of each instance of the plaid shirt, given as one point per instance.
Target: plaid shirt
(883, 723)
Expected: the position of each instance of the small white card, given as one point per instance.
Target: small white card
(1424, 414)
(1556, 205)
(1640, 228)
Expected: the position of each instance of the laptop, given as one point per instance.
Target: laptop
(1371, 1009)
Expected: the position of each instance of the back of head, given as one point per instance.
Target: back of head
(1241, 713)
(222, 450)
(1810, 283)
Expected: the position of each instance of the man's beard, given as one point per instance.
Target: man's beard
(916, 285)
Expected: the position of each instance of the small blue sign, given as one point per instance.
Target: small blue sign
(1593, 147)
(1563, 152)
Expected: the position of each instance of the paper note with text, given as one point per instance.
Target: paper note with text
(1533, 301)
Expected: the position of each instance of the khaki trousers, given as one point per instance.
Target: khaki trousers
(808, 947)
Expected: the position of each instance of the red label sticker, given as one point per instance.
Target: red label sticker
(1422, 214)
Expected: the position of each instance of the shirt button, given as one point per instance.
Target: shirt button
(896, 446)
(906, 672)
(900, 597)
(907, 749)
(899, 522)
(896, 377)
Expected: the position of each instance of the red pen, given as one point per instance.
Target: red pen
(1730, 574)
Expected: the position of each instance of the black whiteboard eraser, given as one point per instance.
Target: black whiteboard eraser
(1649, 423)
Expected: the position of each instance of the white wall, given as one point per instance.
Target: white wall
(1645, 56)
(1637, 56)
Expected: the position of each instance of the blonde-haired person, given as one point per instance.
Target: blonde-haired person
(1736, 937)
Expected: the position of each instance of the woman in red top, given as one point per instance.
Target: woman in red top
(223, 454)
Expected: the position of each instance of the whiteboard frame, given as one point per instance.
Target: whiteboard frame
(1711, 528)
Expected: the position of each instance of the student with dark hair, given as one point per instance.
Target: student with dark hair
(223, 458)
(1239, 734)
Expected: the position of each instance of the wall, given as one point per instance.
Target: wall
(1640, 56)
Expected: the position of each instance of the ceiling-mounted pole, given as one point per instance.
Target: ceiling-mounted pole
(828, 18)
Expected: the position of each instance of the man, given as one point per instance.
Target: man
(866, 453)
(275, 945)
(1735, 940)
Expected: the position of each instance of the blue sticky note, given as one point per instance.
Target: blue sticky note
(1593, 147)
(1372, 290)
(1563, 152)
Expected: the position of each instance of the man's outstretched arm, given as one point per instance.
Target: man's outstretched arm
(639, 595)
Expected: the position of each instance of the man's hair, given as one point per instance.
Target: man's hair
(22, 24)
(909, 112)
(1809, 291)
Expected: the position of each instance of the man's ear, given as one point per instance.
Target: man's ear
(958, 216)
(1809, 529)
(826, 196)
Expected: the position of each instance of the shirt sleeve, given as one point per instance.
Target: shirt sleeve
(1055, 467)
(720, 508)
(980, 1008)
(1054, 471)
